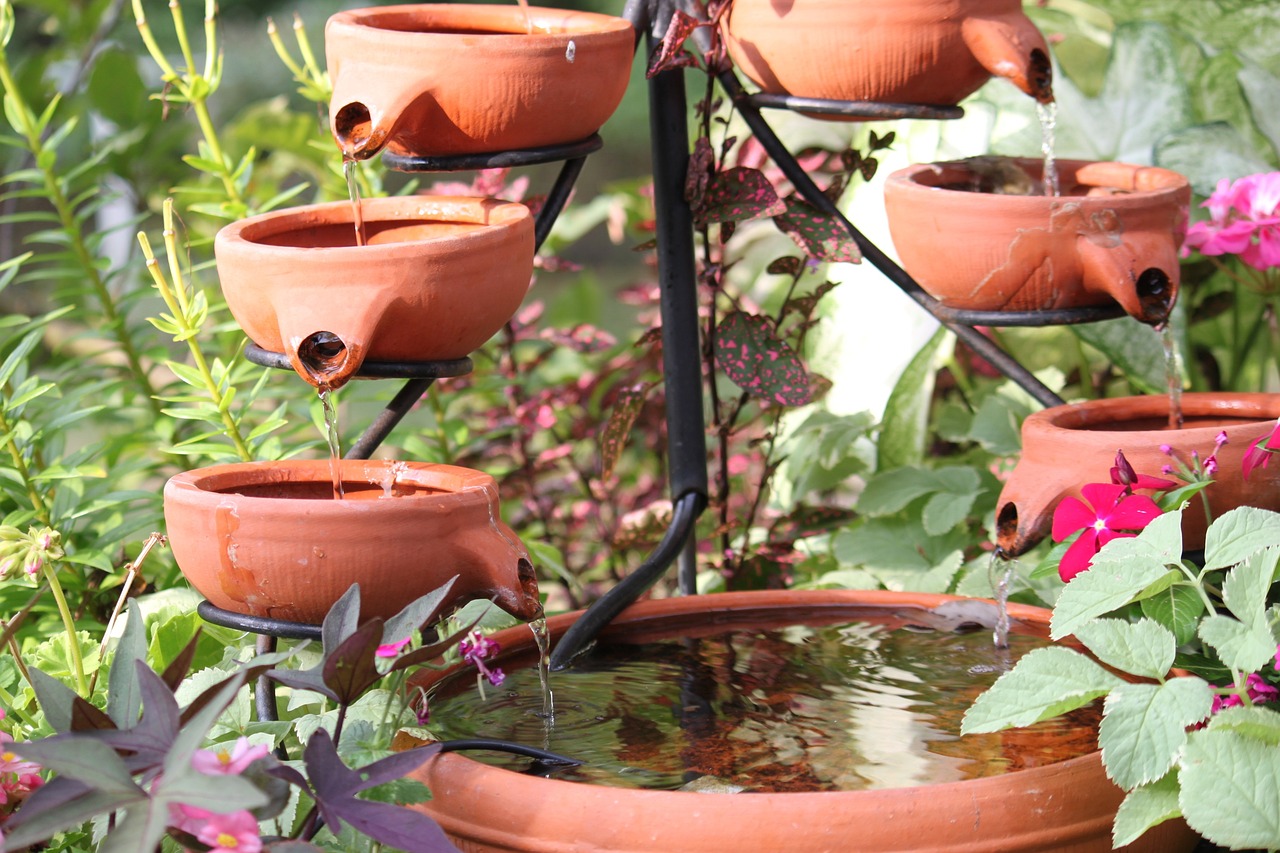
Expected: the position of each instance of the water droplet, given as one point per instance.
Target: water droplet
(571, 51)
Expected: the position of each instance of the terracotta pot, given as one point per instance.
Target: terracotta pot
(1112, 236)
(1068, 806)
(461, 79)
(438, 276)
(934, 52)
(268, 539)
(1067, 447)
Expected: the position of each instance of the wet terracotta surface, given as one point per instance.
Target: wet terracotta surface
(258, 538)
(439, 276)
(1067, 447)
(933, 52)
(1112, 236)
(1067, 806)
(443, 79)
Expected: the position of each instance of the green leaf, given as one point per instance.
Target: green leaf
(1144, 726)
(1245, 588)
(1107, 585)
(1046, 682)
(755, 359)
(945, 510)
(1143, 648)
(1179, 608)
(906, 413)
(124, 694)
(1256, 722)
(1245, 647)
(1238, 534)
(1144, 807)
(1131, 346)
(1230, 789)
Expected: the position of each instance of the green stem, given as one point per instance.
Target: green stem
(73, 643)
(53, 190)
(24, 473)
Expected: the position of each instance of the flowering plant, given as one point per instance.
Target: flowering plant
(1142, 608)
(137, 771)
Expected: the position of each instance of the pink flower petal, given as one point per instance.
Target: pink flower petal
(1133, 512)
(1077, 558)
(1070, 515)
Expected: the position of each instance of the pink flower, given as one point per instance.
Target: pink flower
(1258, 690)
(237, 831)
(390, 650)
(1260, 450)
(220, 762)
(1243, 221)
(1111, 512)
(478, 648)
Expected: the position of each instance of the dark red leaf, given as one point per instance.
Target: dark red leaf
(736, 195)
(758, 362)
(790, 265)
(702, 164)
(670, 53)
(616, 431)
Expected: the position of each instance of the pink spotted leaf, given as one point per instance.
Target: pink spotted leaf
(758, 362)
(671, 53)
(736, 195)
(820, 235)
(616, 431)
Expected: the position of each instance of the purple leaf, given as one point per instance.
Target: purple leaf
(670, 53)
(758, 362)
(352, 667)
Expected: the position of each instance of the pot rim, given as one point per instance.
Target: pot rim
(1249, 407)
(363, 23)
(497, 219)
(515, 641)
(451, 484)
(1157, 184)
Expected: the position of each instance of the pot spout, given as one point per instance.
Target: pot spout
(1147, 294)
(324, 360)
(495, 565)
(364, 121)
(1010, 46)
(1025, 510)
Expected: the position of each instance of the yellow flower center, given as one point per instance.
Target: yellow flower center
(228, 841)
(224, 757)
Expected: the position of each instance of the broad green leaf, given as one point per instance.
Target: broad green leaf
(124, 694)
(890, 491)
(1046, 682)
(1105, 587)
(1256, 722)
(1179, 608)
(945, 510)
(1263, 91)
(1246, 586)
(906, 413)
(1245, 647)
(1144, 726)
(1238, 534)
(1230, 789)
(1132, 347)
(1143, 648)
(1144, 807)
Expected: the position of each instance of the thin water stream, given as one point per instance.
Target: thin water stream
(1000, 587)
(329, 404)
(1173, 374)
(1048, 115)
(349, 167)
(542, 638)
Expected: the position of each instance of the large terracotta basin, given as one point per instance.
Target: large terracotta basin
(268, 539)
(437, 277)
(1111, 236)
(441, 79)
(1067, 447)
(1068, 806)
(934, 52)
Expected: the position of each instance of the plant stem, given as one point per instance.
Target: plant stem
(68, 623)
(38, 505)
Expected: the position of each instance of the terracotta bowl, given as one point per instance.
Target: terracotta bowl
(441, 79)
(934, 52)
(1111, 236)
(1068, 806)
(1067, 447)
(438, 276)
(268, 539)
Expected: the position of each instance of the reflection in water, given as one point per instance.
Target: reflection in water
(845, 707)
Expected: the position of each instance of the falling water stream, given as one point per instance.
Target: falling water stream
(330, 407)
(1048, 115)
(1000, 572)
(1173, 374)
(353, 190)
(542, 637)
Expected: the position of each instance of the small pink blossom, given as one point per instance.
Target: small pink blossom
(1243, 221)
(237, 831)
(390, 650)
(221, 762)
(476, 650)
(1260, 449)
(1108, 511)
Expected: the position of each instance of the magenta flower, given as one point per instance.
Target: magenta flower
(1260, 450)
(1243, 221)
(478, 648)
(1108, 511)
(237, 831)
(221, 762)
(390, 650)
(1258, 690)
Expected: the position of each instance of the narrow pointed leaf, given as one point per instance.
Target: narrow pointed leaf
(417, 613)
(352, 667)
(617, 429)
(124, 696)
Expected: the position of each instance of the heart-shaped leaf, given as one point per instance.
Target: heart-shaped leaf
(758, 362)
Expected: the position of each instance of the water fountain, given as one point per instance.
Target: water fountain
(1064, 805)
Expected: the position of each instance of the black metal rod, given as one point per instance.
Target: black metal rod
(805, 185)
(556, 199)
(280, 628)
(687, 567)
(463, 744)
(852, 109)
(382, 425)
(370, 369)
(492, 160)
(582, 632)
